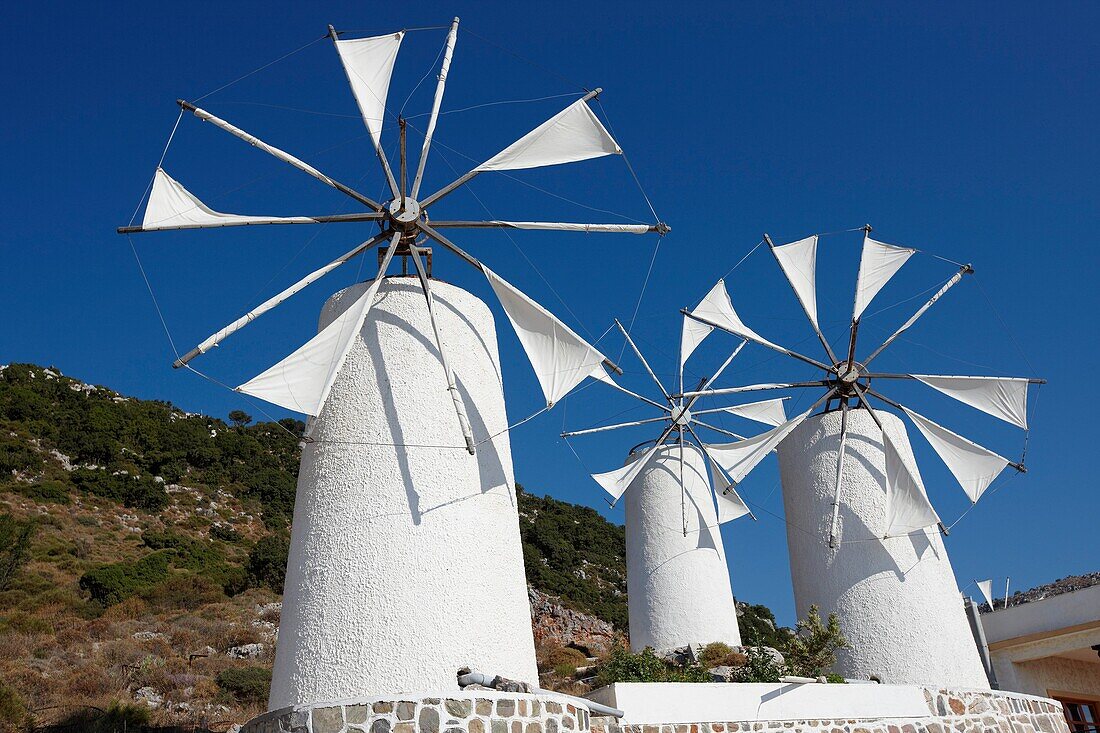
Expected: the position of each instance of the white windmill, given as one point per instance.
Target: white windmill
(677, 579)
(857, 513)
(390, 513)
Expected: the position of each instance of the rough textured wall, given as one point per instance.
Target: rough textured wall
(467, 712)
(678, 587)
(405, 559)
(950, 711)
(1048, 676)
(897, 599)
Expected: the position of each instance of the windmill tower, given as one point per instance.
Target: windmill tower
(862, 534)
(677, 579)
(405, 560)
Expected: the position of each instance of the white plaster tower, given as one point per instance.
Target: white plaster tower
(678, 582)
(405, 559)
(897, 599)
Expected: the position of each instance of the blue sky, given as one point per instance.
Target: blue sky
(962, 129)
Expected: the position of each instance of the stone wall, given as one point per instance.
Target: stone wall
(949, 712)
(482, 711)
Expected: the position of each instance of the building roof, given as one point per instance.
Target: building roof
(1067, 584)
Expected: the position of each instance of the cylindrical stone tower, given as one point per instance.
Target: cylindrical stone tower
(405, 556)
(897, 599)
(678, 587)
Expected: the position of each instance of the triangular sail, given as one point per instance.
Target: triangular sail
(716, 307)
(769, 412)
(730, 505)
(369, 65)
(618, 481)
(986, 588)
(561, 359)
(302, 381)
(907, 507)
(878, 263)
(171, 206)
(798, 261)
(973, 466)
(738, 459)
(1002, 397)
(571, 135)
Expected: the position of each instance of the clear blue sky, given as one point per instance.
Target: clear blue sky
(964, 129)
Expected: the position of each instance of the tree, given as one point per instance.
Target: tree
(239, 418)
(15, 544)
(811, 652)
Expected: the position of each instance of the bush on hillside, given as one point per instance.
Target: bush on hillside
(15, 547)
(267, 560)
(133, 491)
(247, 684)
(645, 666)
(759, 666)
(109, 584)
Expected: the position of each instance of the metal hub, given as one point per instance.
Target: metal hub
(849, 377)
(680, 415)
(406, 218)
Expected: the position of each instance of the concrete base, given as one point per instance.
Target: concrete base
(405, 557)
(678, 586)
(897, 599)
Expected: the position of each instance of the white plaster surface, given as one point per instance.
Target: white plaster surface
(897, 599)
(405, 562)
(678, 587)
(672, 702)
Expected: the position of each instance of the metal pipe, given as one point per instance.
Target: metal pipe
(276, 152)
(477, 678)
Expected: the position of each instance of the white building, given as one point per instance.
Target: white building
(1051, 647)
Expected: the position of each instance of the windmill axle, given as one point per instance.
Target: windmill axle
(849, 376)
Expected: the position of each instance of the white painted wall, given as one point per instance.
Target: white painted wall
(897, 599)
(678, 587)
(405, 562)
(677, 702)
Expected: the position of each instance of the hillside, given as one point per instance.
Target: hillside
(142, 551)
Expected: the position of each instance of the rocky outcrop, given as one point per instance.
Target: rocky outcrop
(553, 623)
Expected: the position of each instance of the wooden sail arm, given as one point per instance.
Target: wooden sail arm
(754, 388)
(277, 153)
(262, 221)
(218, 336)
(604, 428)
(638, 353)
(474, 262)
(467, 177)
(448, 52)
(757, 340)
(659, 228)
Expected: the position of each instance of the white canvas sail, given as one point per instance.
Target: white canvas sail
(1001, 397)
(973, 466)
(739, 458)
(907, 507)
(798, 260)
(769, 412)
(618, 481)
(171, 206)
(717, 308)
(561, 359)
(571, 135)
(302, 381)
(730, 505)
(369, 65)
(986, 588)
(878, 263)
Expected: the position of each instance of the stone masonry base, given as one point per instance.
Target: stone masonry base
(480, 711)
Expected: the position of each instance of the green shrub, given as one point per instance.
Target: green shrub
(812, 650)
(15, 547)
(718, 654)
(623, 666)
(759, 628)
(247, 684)
(562, 657)
(139, 493)
(184, 590)
(225, 533)
(16, 455)
(12, 708)
(109, 584)
(49, 492)
(267, 562)
(759, 666)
